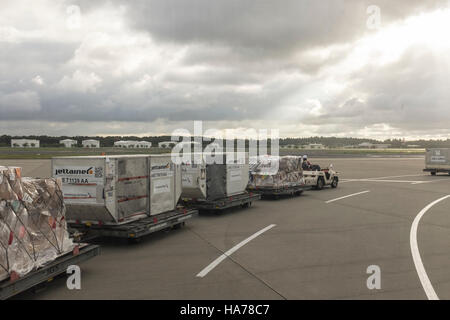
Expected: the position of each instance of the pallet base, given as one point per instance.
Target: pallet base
(9, 289)
(242, 200)
(134, 229)
(277, 192)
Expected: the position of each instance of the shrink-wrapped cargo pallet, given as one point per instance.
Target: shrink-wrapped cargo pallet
(32, 223)
(275, 172)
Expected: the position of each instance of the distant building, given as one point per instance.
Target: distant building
(167, 144)
(144, 145)
(368, 145)
(292, 146)
(69, 143)
(171, 144)
(25, 143)
(125, 144)
(365, 145)
(382, 146)
(91, 144)
(121, 144)
(314, 146)
(133, 144)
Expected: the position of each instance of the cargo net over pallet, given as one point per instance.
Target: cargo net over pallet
(273, 172)
(32, 223)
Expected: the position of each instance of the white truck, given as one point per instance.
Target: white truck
(437, 160)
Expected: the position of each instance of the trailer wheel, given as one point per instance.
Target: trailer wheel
(40, 287)
(335, 183)
(134, 240)
(320, 183)
(178, 226)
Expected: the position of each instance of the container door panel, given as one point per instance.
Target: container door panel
(162, 185)
(237, 178)
(216, 181)
(132, 187)
(194, 181)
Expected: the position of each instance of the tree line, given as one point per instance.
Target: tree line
(332, 142)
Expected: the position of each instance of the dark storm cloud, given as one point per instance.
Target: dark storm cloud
(264, 25)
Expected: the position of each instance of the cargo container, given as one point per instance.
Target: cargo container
(437, 160)
(113, 190)
(216, 184)
(208, 179)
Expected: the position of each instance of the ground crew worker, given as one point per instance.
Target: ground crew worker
(306, 165)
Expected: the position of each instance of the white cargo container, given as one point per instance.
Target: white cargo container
(117, 189)
(437, 160)
(211, 181)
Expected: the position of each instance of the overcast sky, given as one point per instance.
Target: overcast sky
(147, 67)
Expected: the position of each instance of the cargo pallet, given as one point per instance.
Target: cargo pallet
(435, 171)
(278, 192)
(133, 230)
(242, 200)
(11, 287)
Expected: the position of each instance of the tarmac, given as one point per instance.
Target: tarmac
(315, 246)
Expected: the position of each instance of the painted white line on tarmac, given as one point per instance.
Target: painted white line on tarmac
(432, 181)
(216, 262)
(403, 176)
(387, 177)
(368, 159)
(350, 195)
(393, 181)
(423, 182)
(426, 284)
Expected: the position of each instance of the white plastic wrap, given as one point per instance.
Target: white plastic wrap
(275, 172)
(32, 222)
